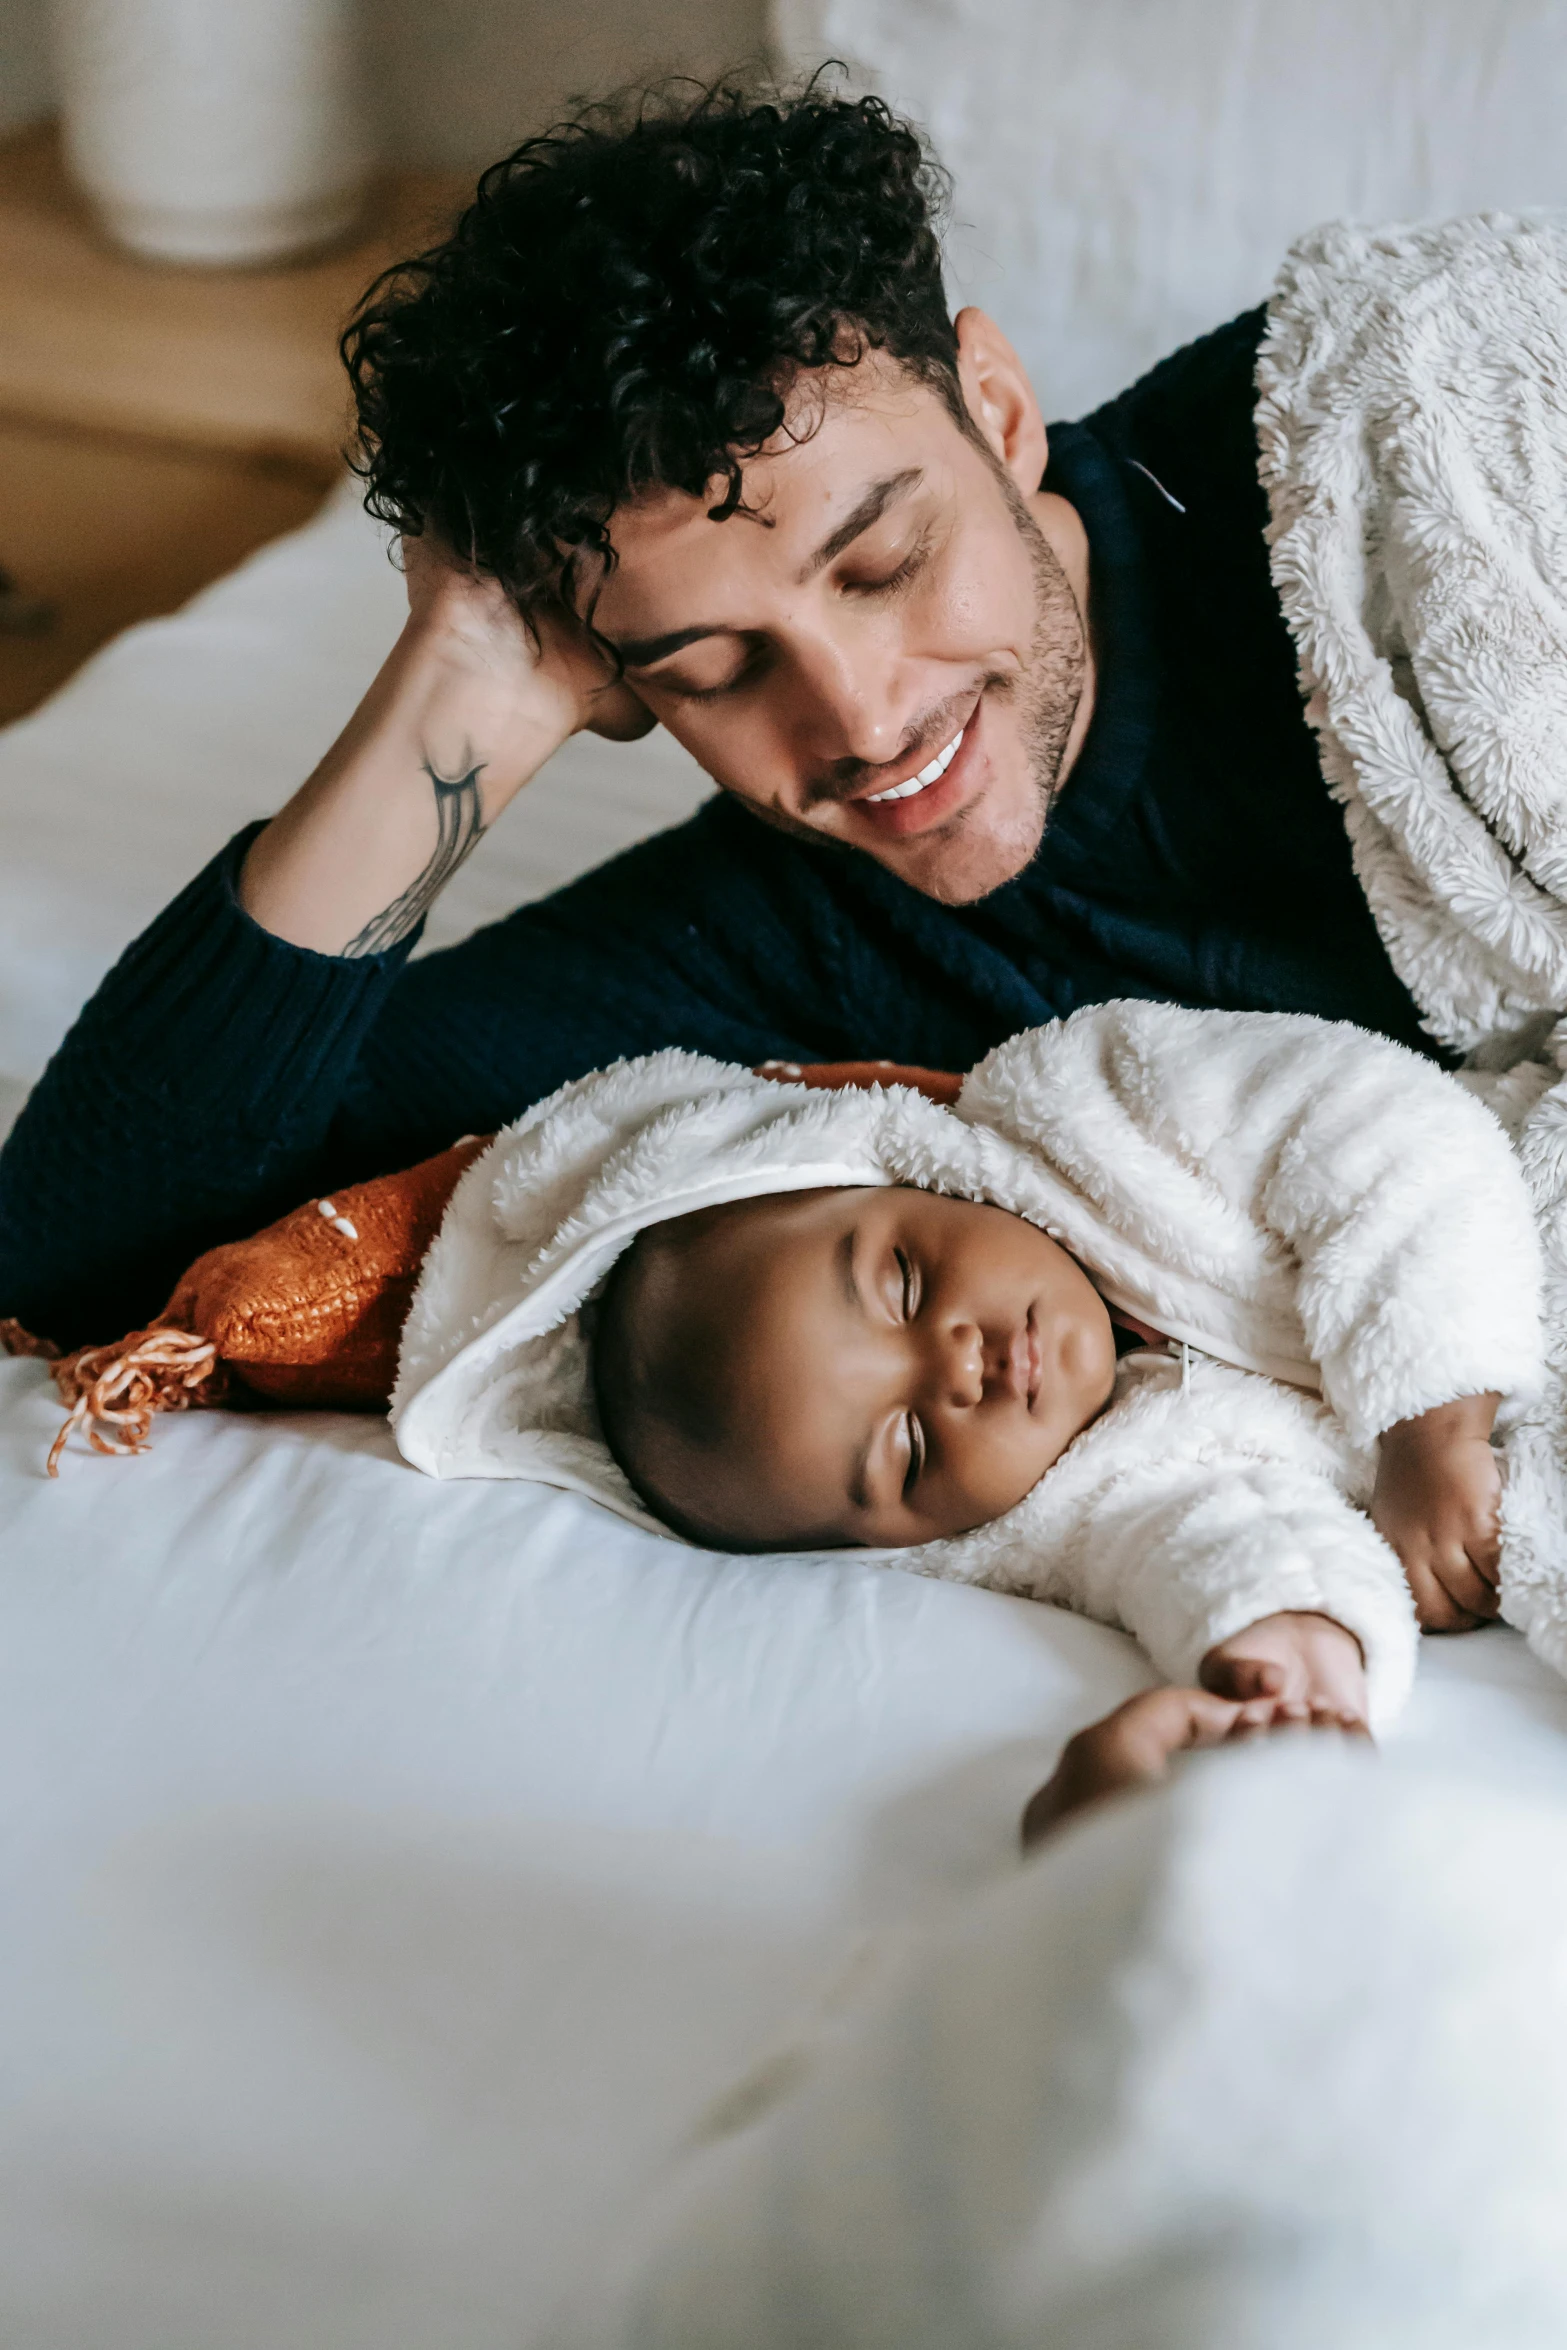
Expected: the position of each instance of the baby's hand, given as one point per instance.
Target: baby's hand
(1437, 1501)
(1134, 1746)
(1307, 1665)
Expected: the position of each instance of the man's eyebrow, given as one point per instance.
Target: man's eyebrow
(640, 652)
(859, 519)
(643, 652)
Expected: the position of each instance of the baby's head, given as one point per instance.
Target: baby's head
(822, 1368)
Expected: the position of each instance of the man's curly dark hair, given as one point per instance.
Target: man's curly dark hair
(626, 304)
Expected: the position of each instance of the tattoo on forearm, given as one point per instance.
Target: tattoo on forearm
(459, 818)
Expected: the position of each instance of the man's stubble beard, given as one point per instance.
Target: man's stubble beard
(966, 865)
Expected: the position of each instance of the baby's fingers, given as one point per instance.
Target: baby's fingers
(1212, 1719)
(1326, 1715)
(1442, 1608)
(1471, 1592)
(1256, 1717)
(1241, 1678)
(1485, 1553)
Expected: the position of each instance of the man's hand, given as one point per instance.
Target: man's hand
(1134, 1746)
(547, 666)
(1308, 1665)
(1438, 1502)
(466, 708)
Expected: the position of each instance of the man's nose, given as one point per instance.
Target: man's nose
(857, 715)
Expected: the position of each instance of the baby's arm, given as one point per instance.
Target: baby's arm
(1438, 1502)
(1192, 1520)
(1418, 1274)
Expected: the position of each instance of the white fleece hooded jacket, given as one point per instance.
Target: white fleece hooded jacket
(1337, 1230)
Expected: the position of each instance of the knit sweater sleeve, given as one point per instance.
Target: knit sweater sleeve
(190, 1101)
(219, 1076)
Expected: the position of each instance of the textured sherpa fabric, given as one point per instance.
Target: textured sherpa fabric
(1412, 429)
(1338, 1228)
(1534, 1500)
(1413, 436)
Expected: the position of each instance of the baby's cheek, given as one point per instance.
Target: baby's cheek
(995, 1477)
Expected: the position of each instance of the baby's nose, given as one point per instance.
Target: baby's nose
(965, 1366)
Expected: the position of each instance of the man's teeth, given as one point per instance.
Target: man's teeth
(926, 776)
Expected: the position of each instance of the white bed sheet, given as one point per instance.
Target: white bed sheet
(394, 1870)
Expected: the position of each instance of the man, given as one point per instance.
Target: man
(678, 430)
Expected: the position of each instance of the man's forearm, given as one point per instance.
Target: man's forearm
(426, 763)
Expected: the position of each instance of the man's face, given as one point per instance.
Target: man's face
(886, 649)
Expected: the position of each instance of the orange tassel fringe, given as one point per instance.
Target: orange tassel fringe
(115, 1390)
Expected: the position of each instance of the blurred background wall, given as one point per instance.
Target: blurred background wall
(1127, 174)
(455, 82)
(1130, 172)
(26, 73)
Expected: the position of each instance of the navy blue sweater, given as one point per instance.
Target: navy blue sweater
(219, 1075)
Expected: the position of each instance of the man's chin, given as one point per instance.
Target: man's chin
(973, 855)
(979, 851)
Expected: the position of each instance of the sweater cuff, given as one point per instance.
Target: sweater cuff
(261, 1017)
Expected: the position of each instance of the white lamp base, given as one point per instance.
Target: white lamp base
(231, 236)
(221, 132)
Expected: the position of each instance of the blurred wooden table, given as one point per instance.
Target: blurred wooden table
(156, 424)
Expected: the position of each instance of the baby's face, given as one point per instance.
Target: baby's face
(905, 1366)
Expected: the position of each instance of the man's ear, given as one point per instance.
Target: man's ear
(1001, 399)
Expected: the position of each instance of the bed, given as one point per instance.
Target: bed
(396, 1871)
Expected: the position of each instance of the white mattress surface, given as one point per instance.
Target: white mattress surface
(394, 1870)
(1066, 2115)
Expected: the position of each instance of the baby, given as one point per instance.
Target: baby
(889, 1367)
(1198, 1322)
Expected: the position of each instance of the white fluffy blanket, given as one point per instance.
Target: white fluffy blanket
(1413, 436)
(1337, 1226)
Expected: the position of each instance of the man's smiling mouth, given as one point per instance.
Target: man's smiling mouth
(925, 778)
(919, 803)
